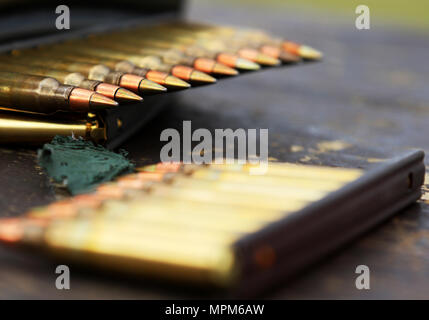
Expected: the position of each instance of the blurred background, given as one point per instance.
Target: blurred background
(371, 88)
(408, 14)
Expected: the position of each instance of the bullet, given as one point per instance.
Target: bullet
(110, 246)
(21, 230)
(252, 46)
(180, 259)
(45, 95)
(276, 52)
(149, 62)
(105, 91)
(258, 57)
(181, 221)
(303, 51)
(242, 57)
(211, 66)
(28, 129)
(100, 73)
(135, 83)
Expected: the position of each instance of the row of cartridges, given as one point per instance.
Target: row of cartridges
(175, 221)
(99, 72)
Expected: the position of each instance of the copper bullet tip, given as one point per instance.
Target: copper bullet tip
(148, 87)
(99, 102)
(272, 51)
(131, 82)
(211, 66)
(124, 95)
(117, 93)
(167, 80)
(202, 77)
(287, 57)
(303, 51)
(83, 100)
(279, 53)
(11, 230)
(227, 59)
(204, 64)
(258, 57)
(182, 72)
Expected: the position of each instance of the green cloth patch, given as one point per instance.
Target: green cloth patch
(80, 165)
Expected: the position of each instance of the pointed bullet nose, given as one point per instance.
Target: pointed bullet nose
(100, 102)
(258, 57)
(310, 53)
(202, 77)
(266, 60)
(303, 51)
(245, 64)
(149, 87)
(124, 95)
(174, 82)
(222, 69)
(227, 59)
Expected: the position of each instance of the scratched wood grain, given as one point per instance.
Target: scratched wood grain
(366, 101)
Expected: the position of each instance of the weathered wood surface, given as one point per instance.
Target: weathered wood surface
(367, 100)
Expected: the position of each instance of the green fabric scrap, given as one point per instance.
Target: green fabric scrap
(80, 165)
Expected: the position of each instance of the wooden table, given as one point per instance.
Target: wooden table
(368, 100)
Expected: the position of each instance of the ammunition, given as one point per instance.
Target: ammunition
(174, 220)
(42, 94)
(99, 73)
(69, 78)
(208, 179)
(183, 259)
(20, 128)
(149, 62)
